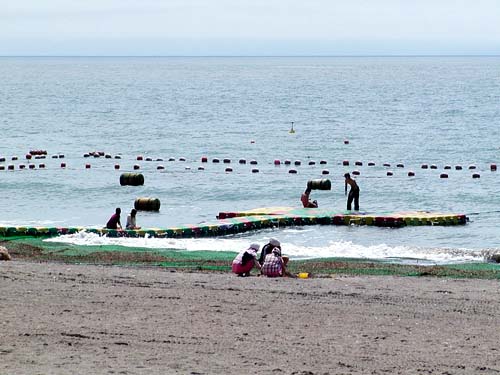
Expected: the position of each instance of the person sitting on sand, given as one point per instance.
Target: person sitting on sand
(306, 202)
(114, 220)
(246, 260)
(353, 193)
(275, 264)
(131, 223)
(267, 248)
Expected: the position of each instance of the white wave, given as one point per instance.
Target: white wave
(334, 249)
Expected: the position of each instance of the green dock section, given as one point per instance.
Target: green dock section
(260, 218)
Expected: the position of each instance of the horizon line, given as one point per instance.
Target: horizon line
(260, 56)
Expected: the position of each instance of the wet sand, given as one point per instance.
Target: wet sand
(83, 319)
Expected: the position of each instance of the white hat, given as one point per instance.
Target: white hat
(255, 246)
(274, 242)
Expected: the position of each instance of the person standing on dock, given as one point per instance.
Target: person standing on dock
(353, 193)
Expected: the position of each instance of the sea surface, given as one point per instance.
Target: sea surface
(409, 110)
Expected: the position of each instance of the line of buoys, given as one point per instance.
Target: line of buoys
(38, 152)
(320, 184)
(147, 204)
(133, 179)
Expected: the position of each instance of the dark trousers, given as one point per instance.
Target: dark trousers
(353, 195)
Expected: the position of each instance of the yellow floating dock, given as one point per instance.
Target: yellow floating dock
(260, 218)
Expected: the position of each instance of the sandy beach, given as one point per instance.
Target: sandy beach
(82, 319)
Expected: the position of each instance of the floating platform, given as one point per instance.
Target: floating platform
(260, 218)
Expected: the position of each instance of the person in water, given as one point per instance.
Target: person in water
(114, 220)
(353, 193)
(131, 223)
(306, 202)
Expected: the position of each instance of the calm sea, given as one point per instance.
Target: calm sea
(408, 110)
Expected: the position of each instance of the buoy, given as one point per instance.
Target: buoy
(43, 166)
(458, 167)
(371, 163)
(443, 175)
(345, 162)
(293, 171)
(277, 162)
(160, 167)
(346, 141)
(320, 184)
(253, 162)
(204, 159)
(434, 166)
(358, 163)
(386, 164)
(400, 165)
(63, 165)
(2, 159)
(147, 204)
(31, 166)
(87, 166)
(287, 162)
(476, 175)
(173, 159)
(325, 171)
(424, 166)
(411, 174)
(292, 130)
(15, 158)
(117, 166)
(215, 160)
(312, 162)
(252, 141)
(149, 159)
(140, 157)
(356, 172)
(28, 156)
(225, 161)
(118, 157)
(22, 166)
(493, 167)
(101, 153)
(55, 156)
(133, 179)
(137, 166)
(297, 162)
(389, 173)
(322, 162)
(200, 168)
(255, 170)
(107, 156)
(10, 167)
(61, 156)
(86, 155)
(447, 167)
(2, 167)
(96, 155)
(472, 166)
(159, 159)
(229, 169)
(184, 159)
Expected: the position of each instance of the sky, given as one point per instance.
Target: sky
(249, 27)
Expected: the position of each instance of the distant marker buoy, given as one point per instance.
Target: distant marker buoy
(173, 159)
(252, 141)
(458, 167)
(253, 162)
(61, 156)
(159, 159)
(288, 162)
(28, 156)
(149, 159)
(325, 171)
(160, 167)
(242, 161)
(31, 166)
(187, 168)
(137, 166)
(229, 170)
(41, 166)
(358, 163)
(297, 162)
(215, 160)
(293, 171)
(323, 162)
(386, 164)
(107, 156)
(389, 173)
(200, 168)
(55, 156)
(312, 162)
(356, 173)
(346, 141)
(140, 157)
(63, 165)
(15, 158)
(443, 175)
(117, 166)
(476, 175)
(2, 167)
(226, 161)
(472, 166)
(447, 167)
(371, 164)
(87, 166)
(424, 166)
(101, 153)
(118, 157)
(345, 162)
(22, 166)
(411, 174)
(493, 167)
(400, 165)
(434, 166)
(255, 170)
(292, 130)
(204, 159)
(10, 167)
(96, 155)
(277, 162)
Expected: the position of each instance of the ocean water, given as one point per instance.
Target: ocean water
(408, 110)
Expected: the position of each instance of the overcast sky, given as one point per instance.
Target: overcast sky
(249, 27)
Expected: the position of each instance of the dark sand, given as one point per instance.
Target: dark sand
(81, 319)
